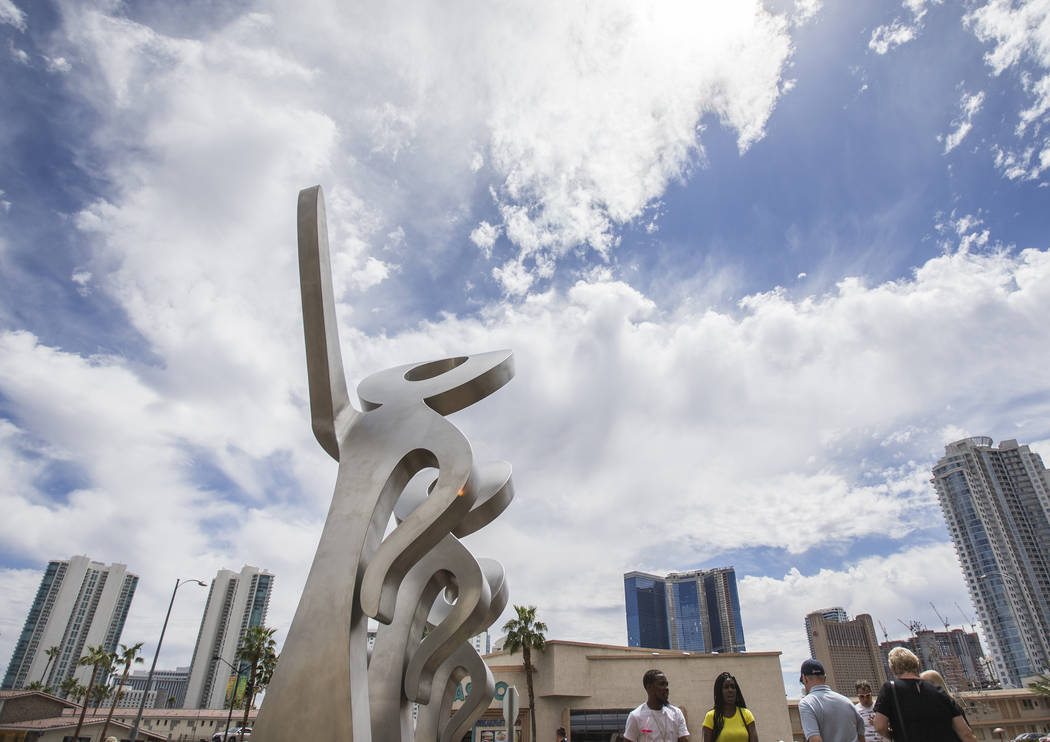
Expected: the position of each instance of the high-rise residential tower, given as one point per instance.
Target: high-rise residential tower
(848, 649)
(236, 602)
(79, 603)
(996, 501)
(696, 611)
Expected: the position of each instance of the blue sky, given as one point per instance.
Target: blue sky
(758, 264)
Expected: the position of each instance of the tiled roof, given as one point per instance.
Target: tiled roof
(21, 693)
(172, 713)
(65, 722)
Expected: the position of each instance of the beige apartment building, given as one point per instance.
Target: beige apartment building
(848, 649)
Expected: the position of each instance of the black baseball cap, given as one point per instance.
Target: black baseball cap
(811, 667)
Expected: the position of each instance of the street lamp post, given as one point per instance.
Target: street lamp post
(233, 696)
(149, 678)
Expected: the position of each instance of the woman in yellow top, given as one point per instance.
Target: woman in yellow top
(729, 720)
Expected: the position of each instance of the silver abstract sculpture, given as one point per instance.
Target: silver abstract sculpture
(426, 590)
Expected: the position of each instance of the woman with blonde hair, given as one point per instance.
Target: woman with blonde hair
(911, 709)
(932, 676)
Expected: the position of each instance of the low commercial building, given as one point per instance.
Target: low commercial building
(178, 725)
(590, 688)
(33, 716)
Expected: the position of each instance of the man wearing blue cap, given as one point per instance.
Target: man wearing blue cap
(826, 716)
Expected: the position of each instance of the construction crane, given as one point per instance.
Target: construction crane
(913, 626)
(967, 617)
(943, 619)
(885, 636)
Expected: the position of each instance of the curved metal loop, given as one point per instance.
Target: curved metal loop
(457, 382)
(463, 619)
(446, 505)
(434, 722)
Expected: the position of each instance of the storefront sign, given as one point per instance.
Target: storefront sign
(462, 693)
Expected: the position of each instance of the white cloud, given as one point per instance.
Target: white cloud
(969, 106)
(514, 277)
(805, 10)
(57, 64)
(12, 15)
(580, 119)
(484, 236)
(918, 8)
(18, 55)
(891, 35)
(1040, 90)
(1017, 29)
(373, 272)
(19, 587)
(82, 279)
(620, 121)
(1020, 36)
(887, 37)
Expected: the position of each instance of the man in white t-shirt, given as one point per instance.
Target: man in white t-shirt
(866, 708)
(656, 720)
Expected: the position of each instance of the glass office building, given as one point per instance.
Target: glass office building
(996, 501)
(695, 611)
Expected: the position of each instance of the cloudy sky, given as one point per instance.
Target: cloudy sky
(758, 262)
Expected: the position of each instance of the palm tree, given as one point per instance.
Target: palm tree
(71, 688)
(526, 633)
(99, 659)
(51, 653)
(258, 651)
(125, 656)
(1041, 686)
(100, 693)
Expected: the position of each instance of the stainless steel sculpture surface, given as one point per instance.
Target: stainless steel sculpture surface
(418, 578)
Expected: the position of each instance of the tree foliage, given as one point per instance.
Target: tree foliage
(99, 660)
(124, 656)
(73, 689)
(259, 651)
(525, 633)
(51, 653)
(1041, 686)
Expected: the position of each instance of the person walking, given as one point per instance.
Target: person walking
(729, 720)
(911, 709)
(826, 716)
(656, 720)
(865, 706)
